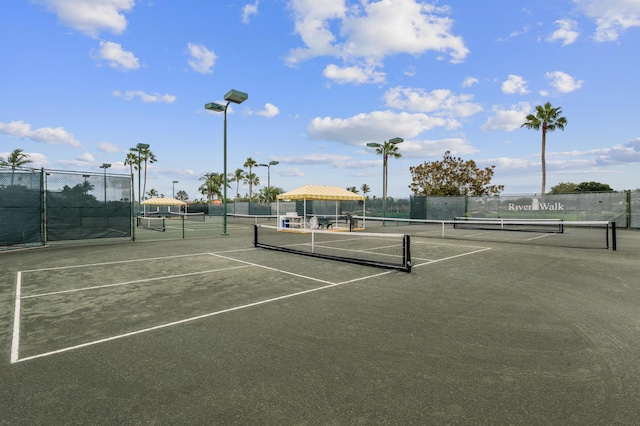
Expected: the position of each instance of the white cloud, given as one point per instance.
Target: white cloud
(507, 119)
(370, 31)
(612, 17)
(91, 16)
(248, 10)
(566, 32)
(563, 82)
(108, 147)
(436, 148)
(291, 172)
(48, 135)
(117, 57)
(440, 101)
(145, 97)
(469, 81)
(202, 59)
(355, 74)
(374, 126)
(314, 159)
(620, 154)
(269, 111)
(514, 85)
(83, 160)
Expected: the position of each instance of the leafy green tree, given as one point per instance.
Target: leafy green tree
(250, 177)
(182, 195)
(15, 160)
(238, 176)
(593, 187)
(546, 119)
(564, 188)
(572, 188)
(452, 176)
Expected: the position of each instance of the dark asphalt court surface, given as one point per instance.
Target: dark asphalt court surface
(214, 331)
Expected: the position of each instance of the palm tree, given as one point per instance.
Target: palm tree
(212, 185)
(16, 159)
(251, 179)
(365, 189)
(152, 193)
(387, 149)
(352, 189)
(546, 119)
(238, 176)
(148, 157)
(132, 161)
(250, 164)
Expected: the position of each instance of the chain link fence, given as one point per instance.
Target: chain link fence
(39, 207)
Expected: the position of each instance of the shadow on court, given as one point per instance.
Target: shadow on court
(213, 331)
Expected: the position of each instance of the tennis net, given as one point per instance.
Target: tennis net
(391, 251)
(573, 234)
(152, 223)
(522, 225)
(189, 217)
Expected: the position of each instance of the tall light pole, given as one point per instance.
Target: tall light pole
(236, 97)
(384, 148)
(174, 189)
(105, 166)
(139, 148)
(268, 166)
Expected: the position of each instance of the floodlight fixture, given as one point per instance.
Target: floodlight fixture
(236, 96)
(212, 106)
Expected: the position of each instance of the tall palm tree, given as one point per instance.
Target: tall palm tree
(352, 189)
(149, 158)
(365, 189)
(387, 149)
(251, 179)
(14, 160)
(546, 119)
(238, 176)
(250, 164)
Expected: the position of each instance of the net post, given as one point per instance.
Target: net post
(613, 237)
(406, 241)
(255, 235)
(182, 217)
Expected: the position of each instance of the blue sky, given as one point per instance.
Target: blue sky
(85, 80)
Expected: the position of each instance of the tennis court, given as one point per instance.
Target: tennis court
(212, 330)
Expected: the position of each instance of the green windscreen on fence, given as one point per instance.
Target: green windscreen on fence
(20, 207)
(87, 206)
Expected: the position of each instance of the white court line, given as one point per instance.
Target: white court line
(15, 341)
(14, 349)
(133, 282)
(54, 268)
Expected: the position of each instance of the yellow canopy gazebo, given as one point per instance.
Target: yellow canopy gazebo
(317, 192)
(162, 201)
